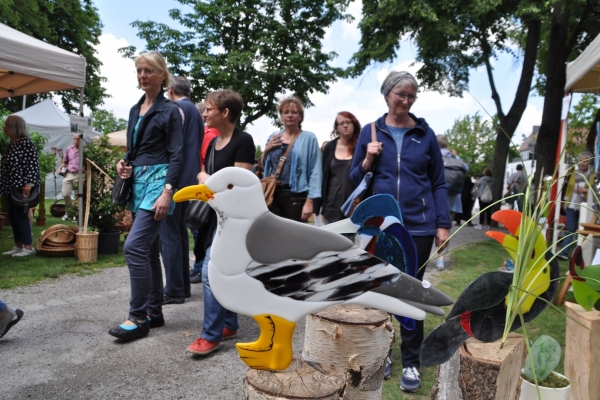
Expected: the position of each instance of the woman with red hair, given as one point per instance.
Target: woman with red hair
(337, 159)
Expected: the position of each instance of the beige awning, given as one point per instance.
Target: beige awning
(583, 74)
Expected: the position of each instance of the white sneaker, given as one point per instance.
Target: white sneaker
(440, 264)
(65, 217)
(478, 227)
(24, 252)
(14, 250)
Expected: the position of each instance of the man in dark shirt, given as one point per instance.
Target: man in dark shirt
(173, 233)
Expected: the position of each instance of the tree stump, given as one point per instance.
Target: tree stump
(482, 371)
(582, 352)
(352, 338)
(301, 380)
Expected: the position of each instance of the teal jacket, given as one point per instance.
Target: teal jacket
(306, 169)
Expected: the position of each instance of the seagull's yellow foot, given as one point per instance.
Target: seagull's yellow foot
(273, 349)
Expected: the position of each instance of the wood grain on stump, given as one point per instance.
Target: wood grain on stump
(353, 338)
(301, 380)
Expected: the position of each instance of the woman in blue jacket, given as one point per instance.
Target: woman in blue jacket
(407, 163)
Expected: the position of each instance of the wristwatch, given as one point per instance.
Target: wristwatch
(168, 186)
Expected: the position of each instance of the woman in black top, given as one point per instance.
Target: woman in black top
(233, 148)
(20, 169)
(337, 158)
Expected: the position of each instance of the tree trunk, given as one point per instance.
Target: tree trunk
(558, 54)
(301, 380)
(447, 376)
(355, 339)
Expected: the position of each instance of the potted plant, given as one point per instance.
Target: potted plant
(104, 213)
(47, 165)
(543, 357)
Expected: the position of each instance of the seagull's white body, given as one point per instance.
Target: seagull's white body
(237, 209)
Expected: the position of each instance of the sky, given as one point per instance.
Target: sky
(359, 96)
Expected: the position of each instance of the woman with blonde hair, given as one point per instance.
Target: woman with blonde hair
(153, 158)
(299, 181)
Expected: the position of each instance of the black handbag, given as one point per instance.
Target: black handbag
(199, 214)
(17, 198)
(122, 191)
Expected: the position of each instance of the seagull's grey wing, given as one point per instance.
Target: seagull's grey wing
(272, 239)
(329, 276)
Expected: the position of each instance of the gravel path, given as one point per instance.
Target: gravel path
(61, 349)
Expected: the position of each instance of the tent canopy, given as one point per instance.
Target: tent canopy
(583, 73)
(29, 65)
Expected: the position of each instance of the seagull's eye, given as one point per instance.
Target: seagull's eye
(230, 186)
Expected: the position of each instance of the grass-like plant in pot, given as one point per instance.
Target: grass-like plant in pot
(543, 357)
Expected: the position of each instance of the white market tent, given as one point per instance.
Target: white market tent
(48, 120)
(30, 66)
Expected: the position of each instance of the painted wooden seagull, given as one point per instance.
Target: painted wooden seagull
(277, 270)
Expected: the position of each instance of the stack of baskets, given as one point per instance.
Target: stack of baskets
(58, 241)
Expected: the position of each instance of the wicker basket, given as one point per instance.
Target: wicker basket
(58, 235)
(64, 251)
(87, 246)
(58, 210)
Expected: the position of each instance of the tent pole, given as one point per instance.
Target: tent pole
(24, 98)
(80, 186)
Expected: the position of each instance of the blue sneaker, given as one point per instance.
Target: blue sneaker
(387, 374)
(410, 380)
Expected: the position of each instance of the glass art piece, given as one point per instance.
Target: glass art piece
(278, 271)
(586, 280)
(480, 311)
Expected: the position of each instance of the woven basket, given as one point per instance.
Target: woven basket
(87, 246)
(64, 251)
(58, 234)
(58, 210)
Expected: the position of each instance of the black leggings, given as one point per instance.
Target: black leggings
(485, 217)
(288, 205)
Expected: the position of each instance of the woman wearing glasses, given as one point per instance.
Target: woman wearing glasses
(154, 138)
(337, 159)
(407, 163)
(299, 181)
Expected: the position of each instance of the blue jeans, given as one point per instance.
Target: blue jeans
(2, 306)
(175, 250)
(141, 253)
(19, 221)
(198, 263)
(215, 315)
(571, 227)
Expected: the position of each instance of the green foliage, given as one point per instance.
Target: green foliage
(103, 212)
(259, 153)
(259, 48)
(106, 122)
(545, 353)
(473, 139)
(73, 25)
(46, 160)
(580, 120)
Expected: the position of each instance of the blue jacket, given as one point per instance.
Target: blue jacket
(416, 178)
(306, 165)
(193, 132)
(161, 135)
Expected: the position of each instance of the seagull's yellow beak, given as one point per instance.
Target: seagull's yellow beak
(196, 192)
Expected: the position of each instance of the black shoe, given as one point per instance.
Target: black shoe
(156, 321)
(141, 330)
(195, 278)
(173, 300)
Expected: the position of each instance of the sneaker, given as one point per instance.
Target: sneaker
(65, 217)
(11, 318)
(173, 300)
(228, 333)
(195, 278)
(563, 256)
(203, 347)
(487, 227)
(74, 219)
(478, 226)
(24, 252)
(14, 250)
(440, 264)
(387, 373)
(410, 380)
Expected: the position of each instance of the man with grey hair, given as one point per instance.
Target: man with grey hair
(174, 240)
(577, 190)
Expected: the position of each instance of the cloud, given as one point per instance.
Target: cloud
(350, 30)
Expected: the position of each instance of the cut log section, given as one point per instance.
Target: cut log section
(353, 338)
(582, 352)
(301, 380)
(484, 371)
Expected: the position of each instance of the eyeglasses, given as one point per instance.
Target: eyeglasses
(147, 72)
(290, 112)
(403, 96)
(344, 123)
(208, 109)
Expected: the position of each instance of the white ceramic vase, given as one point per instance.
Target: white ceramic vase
(529, 392)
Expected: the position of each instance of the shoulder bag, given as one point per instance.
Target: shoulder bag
(16, 195)
(361, 191)
(270, 183)
(199, 213)
(123, 188)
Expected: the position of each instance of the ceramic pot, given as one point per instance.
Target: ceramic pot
(40, 221)
(529, 392)
(108, 242)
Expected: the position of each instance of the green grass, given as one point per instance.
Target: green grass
(468, 264)
(22, 271)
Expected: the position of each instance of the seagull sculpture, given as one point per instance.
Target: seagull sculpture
(277, 270)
